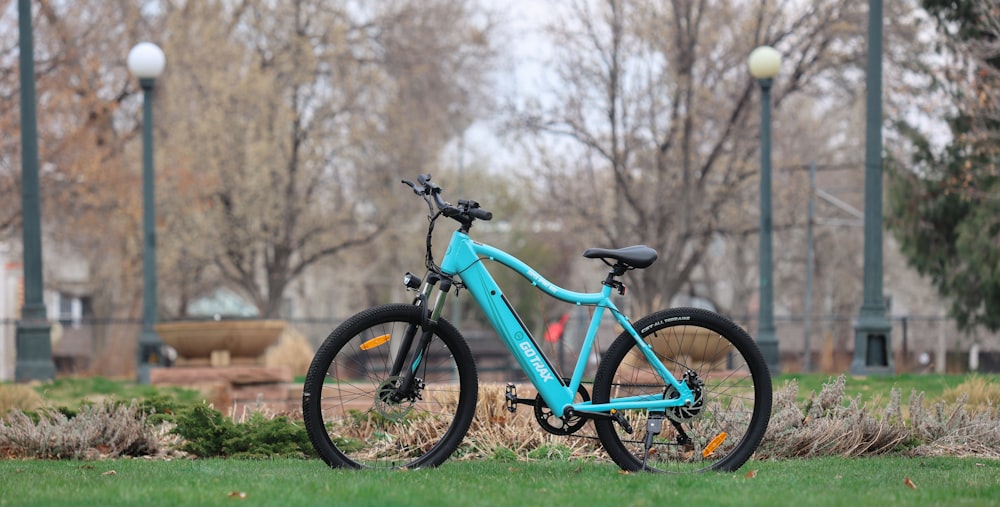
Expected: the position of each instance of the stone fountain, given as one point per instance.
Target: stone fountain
(223, 358)
(222, 342)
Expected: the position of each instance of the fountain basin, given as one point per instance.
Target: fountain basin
(220, 342)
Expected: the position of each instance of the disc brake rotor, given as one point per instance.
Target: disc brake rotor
(385, 404)
(689, 413)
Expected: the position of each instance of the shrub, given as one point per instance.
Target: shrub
(101, 430)
(953, 430)
(207, 433)
(832, 424)
(828, 423)
(204, 430)
(164, 408)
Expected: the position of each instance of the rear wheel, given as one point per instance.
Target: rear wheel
(727, 374)
(355, 413)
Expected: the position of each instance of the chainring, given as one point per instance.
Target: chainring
(564, 425)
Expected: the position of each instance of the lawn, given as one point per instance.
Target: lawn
(871, 387)
(880, 481)
(72, 391)
(826, 481)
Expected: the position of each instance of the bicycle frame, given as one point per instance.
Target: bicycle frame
(464, 258)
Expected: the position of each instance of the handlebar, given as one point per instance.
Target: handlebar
(464, 213)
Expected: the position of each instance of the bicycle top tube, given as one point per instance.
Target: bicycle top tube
(463, 252)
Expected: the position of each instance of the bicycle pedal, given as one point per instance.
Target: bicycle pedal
(620, 419)
(511, 397)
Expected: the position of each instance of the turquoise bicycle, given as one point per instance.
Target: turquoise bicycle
(395, 386)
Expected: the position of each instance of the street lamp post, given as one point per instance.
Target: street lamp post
(34, 346)
(764, 63)
(146, 62)
(872, 344)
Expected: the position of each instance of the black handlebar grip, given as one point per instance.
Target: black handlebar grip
(481, 214)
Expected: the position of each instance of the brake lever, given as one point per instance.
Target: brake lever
(428, 191)
(417, 189)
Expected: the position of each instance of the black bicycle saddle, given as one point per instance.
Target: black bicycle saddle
(637, 256)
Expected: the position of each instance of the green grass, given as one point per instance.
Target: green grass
(874, 386)
(828, 481)
(72, 392)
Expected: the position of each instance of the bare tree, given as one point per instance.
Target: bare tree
(309, 116)
(657, 107)
(280, 126)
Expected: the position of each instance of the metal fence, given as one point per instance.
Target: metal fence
(918, 343)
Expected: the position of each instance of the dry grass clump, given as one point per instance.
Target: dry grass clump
(833, 425)
(18, 396)
(292, 350)
(827, 423)
(494, 429)
(829, 426)
(98, 431)
(978, 391)
(951, 429)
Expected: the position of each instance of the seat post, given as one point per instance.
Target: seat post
(618, 269)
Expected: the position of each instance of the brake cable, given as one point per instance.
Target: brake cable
(429, 259)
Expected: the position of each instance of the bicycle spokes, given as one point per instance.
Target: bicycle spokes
(727, 377)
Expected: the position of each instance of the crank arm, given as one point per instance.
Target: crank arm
(616, 416)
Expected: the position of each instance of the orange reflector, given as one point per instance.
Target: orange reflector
(375, 342)
(714, 444)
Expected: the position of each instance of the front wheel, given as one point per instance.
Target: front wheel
(357, 411)
(729, 378)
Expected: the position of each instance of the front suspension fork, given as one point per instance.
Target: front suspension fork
(428, 320)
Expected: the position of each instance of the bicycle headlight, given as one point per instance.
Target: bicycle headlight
(411, 281)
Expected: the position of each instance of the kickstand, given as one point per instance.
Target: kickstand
(654, 424)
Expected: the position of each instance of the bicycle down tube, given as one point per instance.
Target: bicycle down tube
(464, 258)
